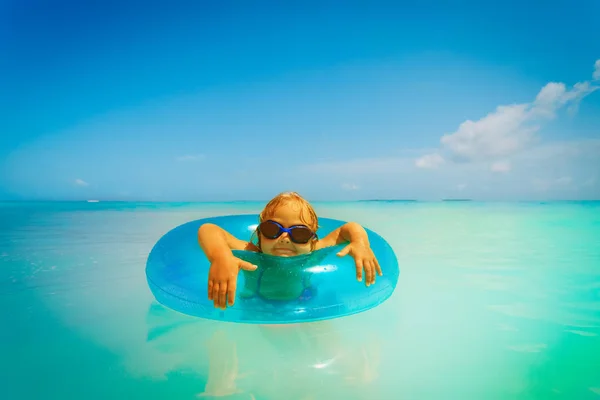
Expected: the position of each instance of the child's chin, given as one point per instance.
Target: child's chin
(278, 253)
(284, 255)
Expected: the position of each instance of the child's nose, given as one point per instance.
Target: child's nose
(284, 236)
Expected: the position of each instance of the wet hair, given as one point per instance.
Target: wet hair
(308, 216)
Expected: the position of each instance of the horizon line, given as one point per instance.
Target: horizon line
(450, 200)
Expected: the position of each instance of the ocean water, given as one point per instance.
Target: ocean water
(494, 301)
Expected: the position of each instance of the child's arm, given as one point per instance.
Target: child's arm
(359, 248)
(216, 241)
(349, 232)
(218, 244)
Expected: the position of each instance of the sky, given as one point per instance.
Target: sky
(347, 100)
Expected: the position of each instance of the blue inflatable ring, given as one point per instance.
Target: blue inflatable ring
(316, 286)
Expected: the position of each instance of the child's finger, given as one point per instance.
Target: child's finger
(369, 272)
(373, 273)
(359, 269)
(344, 251)
(231, 291)
(210, 289)
(222, 294)
(245, 265)
(378, 267)
(215, 294)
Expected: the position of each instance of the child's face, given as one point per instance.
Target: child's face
(287, 215)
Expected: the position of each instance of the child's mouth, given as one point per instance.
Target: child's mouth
(284, 252)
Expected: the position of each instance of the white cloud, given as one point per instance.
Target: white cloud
(548, 164)
(350, 186)
(499, 134)
(81, 182)
(510, 129)
(500, 166)
(554, 96)
(586, 151)
(190, 157)
(429, 161)
(597, 70)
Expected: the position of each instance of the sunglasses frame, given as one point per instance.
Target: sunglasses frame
(289, 231)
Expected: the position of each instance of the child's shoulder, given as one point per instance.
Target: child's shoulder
(244, 245)
(237, 244)
(252, 247)
(327, 241)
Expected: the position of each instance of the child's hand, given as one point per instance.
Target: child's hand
(364, 258)
(222, 279)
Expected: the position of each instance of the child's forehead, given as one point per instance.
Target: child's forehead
(291, 212)
(291, 205)
(288, 209)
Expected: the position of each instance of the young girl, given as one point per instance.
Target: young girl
(287, 227)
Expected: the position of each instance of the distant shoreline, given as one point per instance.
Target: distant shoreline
(457, 199)
(389, 200)
(94, 202)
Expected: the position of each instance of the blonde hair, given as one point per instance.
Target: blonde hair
(307, 213)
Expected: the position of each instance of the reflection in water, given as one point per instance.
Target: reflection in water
(223, 371)
(235, 360)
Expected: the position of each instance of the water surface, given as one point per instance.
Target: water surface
(494, 301)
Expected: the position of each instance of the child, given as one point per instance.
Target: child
(287, 227)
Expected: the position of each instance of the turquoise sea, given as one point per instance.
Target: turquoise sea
(494, 301)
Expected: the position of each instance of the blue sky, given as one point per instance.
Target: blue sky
(197, 101)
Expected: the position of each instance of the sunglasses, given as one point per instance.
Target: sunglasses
(298, 234)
